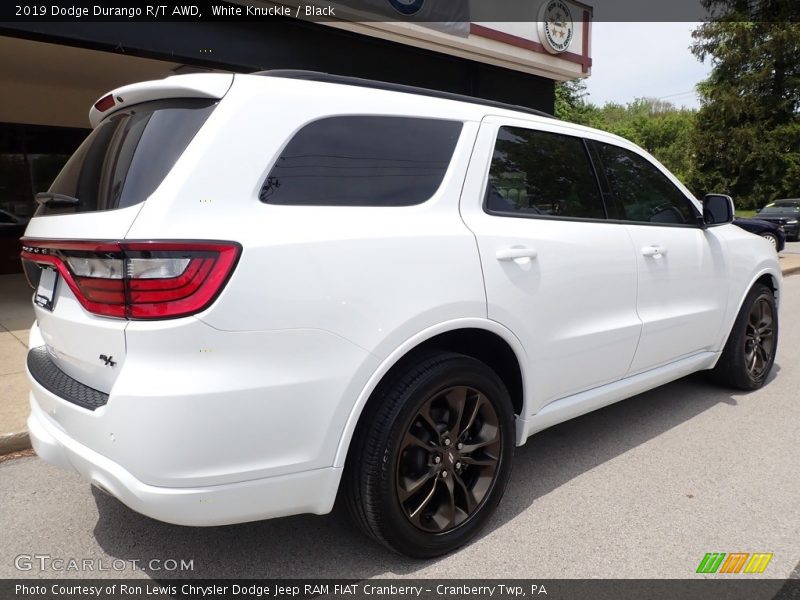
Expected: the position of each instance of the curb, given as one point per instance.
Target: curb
(14, 442)
(791, 270)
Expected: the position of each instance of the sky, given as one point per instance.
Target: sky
(632, 60)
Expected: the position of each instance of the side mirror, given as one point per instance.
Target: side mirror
(717, 209)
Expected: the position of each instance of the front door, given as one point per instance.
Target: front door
(557, 272)
(683, 285)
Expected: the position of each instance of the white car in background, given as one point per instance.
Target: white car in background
(253, 291)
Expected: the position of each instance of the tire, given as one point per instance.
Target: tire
(749, 353)
(405, 483)
(771, 239)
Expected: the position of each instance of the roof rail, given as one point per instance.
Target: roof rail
(396, 87)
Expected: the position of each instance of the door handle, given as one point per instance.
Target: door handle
(515, 253)
(655, 251)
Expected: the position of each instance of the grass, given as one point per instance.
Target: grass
(745, 213)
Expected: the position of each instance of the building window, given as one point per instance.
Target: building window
(30, 158)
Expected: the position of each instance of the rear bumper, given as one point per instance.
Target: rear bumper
(307, 492)
(207, 427)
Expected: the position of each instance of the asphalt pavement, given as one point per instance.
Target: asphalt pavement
(644, 488)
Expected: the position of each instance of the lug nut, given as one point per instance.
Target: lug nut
(446, 441)
(436, 460)
(459, 445)
(458, 465)
(444, 474)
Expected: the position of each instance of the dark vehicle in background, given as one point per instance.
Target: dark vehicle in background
(770, 231)
(11, 229)
(786, 213)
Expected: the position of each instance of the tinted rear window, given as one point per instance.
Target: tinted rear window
(363, 161)
(128, 155)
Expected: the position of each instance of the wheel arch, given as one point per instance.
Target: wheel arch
(485, 340)
(767, 276)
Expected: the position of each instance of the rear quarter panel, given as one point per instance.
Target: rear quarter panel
(375, 276)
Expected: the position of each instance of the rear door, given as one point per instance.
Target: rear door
(683, 282)
(96, 198)
(557, 273)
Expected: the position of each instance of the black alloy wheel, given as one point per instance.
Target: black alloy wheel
(431, 456)
(448, 459)
(749, 353)
(759, 345)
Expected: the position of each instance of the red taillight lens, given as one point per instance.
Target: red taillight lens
(139, 280)
(104, 103)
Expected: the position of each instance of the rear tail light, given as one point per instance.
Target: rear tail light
(137, 280)
(105, 103)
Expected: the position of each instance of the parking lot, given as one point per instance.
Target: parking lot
(643, 488)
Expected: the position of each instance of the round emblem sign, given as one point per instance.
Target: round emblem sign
(407, 7)
(555, 26)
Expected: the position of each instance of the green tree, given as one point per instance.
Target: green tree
(571, 105)
(747, 136)
(662, 129)
(659, 127)
(569, 96)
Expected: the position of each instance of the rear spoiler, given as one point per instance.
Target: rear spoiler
(197, 85)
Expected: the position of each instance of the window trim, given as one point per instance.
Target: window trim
(498, 213)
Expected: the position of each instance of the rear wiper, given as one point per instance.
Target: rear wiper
(54, 199)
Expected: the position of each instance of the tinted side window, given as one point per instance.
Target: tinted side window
(638, 190)
(363, 161)
(128, 155)
(542, 173)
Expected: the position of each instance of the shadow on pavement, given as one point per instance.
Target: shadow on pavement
(330, 547)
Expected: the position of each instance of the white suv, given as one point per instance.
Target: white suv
(256, 291)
